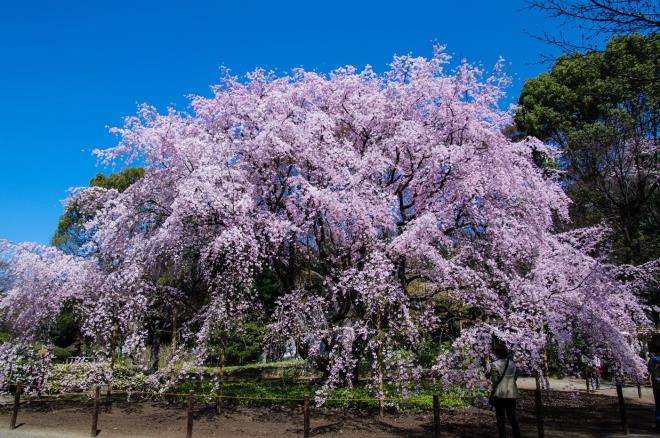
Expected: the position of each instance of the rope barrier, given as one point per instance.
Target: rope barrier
(227, 397)
(234, 397)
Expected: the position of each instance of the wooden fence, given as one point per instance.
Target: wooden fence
(191, 396)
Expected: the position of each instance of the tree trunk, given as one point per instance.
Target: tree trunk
(222, 379)
(379, 357)
(113, 346)
(546, 369)
(173, 332)
(356, 372)
(155, 350)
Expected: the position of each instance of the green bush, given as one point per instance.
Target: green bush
(64, 331)
(353, 399)
(428, 352)
(60, 354)
(240, 348)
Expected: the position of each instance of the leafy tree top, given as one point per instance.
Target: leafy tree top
(70, 236)
(586, 89)
(601, 109)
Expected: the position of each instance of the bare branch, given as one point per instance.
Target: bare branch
(597, 20)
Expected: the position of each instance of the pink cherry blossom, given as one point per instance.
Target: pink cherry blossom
(348, 188)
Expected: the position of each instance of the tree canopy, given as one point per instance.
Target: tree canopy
(601, 109)
(377, 203)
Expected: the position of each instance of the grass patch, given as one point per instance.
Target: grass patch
(287, 370)
(291, 393)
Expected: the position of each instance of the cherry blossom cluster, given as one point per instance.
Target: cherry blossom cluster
(21, 364)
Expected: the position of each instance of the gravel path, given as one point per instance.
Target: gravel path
(579, 385)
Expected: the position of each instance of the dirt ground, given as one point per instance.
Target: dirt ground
(568, 414)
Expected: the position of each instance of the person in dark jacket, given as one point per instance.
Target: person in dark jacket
(654, 374)
(505, 391)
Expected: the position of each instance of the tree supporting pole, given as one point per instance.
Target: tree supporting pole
(221, 387)
(173, 344)
(306, 417)
(379, 357)
(95, 412)
(113, 346)
(546, 369)
(538, 398)
(436, 416)
(17, 402)
(622, 409)
(191, 410)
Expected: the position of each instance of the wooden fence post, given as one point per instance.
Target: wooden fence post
(221, 388)
(108, 396)
(17, 401)
(538, 394)
(191, 408)
(622, 408)
(436, 416)
(95, 411)
(306, 417)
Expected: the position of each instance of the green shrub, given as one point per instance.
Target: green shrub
(64, 331)
(354, 399)
(240, 348)
(428, 352)
(60, 354)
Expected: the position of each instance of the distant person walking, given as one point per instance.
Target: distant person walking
(597, 366)
(654, 374)
(505, 391)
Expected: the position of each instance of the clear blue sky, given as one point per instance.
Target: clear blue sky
(70, 69)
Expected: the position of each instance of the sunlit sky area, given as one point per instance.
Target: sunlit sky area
(71, 69)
